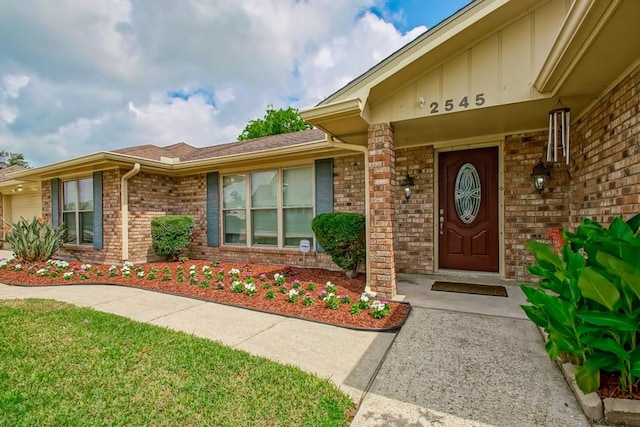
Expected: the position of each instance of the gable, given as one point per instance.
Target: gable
(499, 68)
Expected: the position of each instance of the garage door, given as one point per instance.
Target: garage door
(26, 206)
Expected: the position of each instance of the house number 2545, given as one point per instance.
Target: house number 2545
(450, 105)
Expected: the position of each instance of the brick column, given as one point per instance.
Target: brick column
(382, 165)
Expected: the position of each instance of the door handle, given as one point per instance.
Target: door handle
(441, 222)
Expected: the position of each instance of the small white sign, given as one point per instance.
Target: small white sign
(305, 246)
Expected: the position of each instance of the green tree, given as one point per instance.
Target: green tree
(9, 159)
(274, 122)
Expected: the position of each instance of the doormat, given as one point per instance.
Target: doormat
(468, 288)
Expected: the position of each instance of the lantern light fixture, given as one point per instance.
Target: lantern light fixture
(540, 175)
(407, 184)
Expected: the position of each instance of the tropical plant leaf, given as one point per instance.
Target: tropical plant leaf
(598, 288)
(635, 369)
(634, 223)
(536, 315)
(627, 272)
(610, 319)
(619, 229)
(608, 345)
(588, 379)
(545, 256)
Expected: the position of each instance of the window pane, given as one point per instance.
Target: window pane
(69, 220)
(235, 226)
(86, 227)
(265, 227)
(297, 185)
(297, 226)
(233, 191)
(86, 194)
(69, 196)
(263, 189)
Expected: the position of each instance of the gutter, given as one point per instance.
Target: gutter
(124, 209)
(367, 201)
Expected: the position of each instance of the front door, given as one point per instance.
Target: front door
(468, 210)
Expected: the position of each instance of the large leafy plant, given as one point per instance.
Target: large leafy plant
(588, 300)
(34, 240)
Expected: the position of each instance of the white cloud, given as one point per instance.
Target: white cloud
(98, 74)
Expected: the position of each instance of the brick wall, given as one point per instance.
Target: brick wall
(382, 164)
(605, 155)
(150, 196)
(348, 184)
(414, 219)
(527, 214)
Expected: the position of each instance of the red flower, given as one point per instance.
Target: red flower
(555, 234)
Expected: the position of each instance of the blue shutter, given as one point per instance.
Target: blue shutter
(324, 189)
(213, 210)
(55, 202)
(97, 210)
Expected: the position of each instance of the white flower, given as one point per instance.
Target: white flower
(364, 297)
(141, 273)
(68, 275)
(85, 267)
(378, 305)
(293, 292)
(206, 268)
(250, 287)
(329, 285)
(127, 265)
(234, 272)
(277, 276)
(41, 272)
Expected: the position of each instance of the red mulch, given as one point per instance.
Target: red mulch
(317, 312)
(610, 387)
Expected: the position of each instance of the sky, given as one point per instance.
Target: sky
(82, 76)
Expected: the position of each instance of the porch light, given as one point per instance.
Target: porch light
(559, 126)
(407, 184)
(540, 175)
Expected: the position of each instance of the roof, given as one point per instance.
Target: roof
(186, 152)
(8, 170)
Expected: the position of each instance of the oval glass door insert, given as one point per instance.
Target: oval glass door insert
(467, 193)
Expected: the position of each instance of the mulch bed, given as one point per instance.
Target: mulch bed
(353, 288)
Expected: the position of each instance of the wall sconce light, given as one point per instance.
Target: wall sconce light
(407, 184)
(17, 189)
(540, 175)
(421, 102)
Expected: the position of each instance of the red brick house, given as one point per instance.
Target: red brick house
(462, 113)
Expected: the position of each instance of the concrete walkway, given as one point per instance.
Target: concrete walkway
(460, 360)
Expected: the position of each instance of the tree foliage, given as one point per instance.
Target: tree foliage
(275, 122)
(170, 235)
(9, 159)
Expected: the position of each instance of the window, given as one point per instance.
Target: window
(77, 210)
(279, 207)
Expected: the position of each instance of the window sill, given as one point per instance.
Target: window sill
(82, 248)
(265, 250)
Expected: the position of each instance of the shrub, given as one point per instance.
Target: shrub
(588, 300)
(342, 236)
(170, 234)
(35, 240)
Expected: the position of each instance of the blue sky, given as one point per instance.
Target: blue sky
(81, 76)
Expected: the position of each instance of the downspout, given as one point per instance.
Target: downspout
(367, 202)
(124, 209)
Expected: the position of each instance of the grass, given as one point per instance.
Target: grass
(64, 365)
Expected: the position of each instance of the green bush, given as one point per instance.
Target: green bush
(342, 236)
(170, 234)
(588, 300)
(34, 240)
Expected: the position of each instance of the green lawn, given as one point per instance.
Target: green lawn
(64, 365)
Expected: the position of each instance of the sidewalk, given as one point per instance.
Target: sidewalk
(460, 360)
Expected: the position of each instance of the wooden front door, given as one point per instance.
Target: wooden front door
(468, 210)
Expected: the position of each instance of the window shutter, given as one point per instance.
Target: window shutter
(324, 189)
(55, 202)
(213, 210)
(97, 211)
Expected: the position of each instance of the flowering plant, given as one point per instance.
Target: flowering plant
(379, 309)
